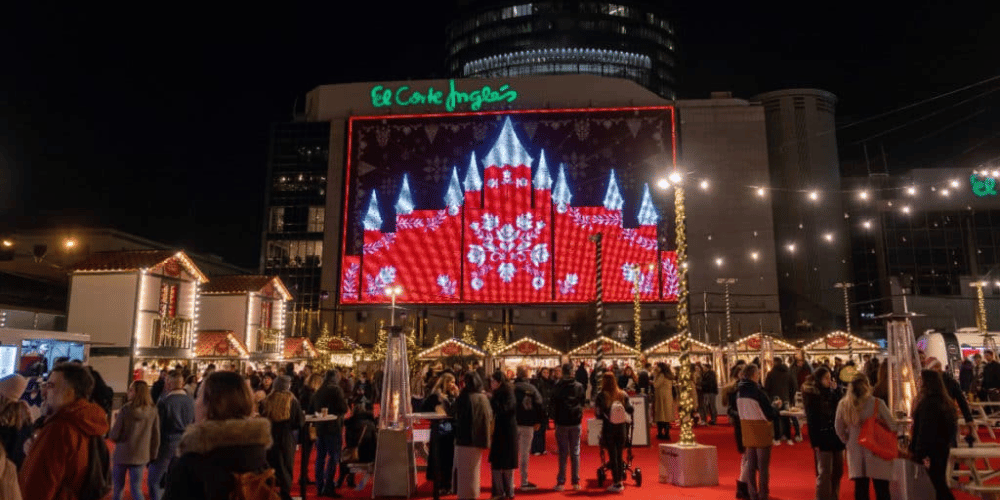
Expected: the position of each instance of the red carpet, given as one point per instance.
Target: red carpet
(792, 473)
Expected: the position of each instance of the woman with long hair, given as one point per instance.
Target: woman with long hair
(307, 434)
(503, 447)
(663, 400)
(612, 434)
(136, 434)
(15, 419)
(881, 389)
(863, 465)
(440, 399)
(546, 384)
(223, 442)
(472, 435)
(934, 428)
(285, 414)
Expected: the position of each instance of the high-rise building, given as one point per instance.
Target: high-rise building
(629, 39)
(295, 217)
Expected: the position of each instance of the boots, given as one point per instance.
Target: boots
(742, 492)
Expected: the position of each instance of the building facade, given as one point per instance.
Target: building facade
(629, 39)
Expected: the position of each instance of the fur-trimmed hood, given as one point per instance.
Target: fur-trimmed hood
(209, 435)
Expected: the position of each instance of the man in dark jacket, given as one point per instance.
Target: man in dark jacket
(781, 389)
(644, 384)
(530, 413)
(329, 438)
(755, 407)
(709, 391)
(176, 412)
(820, 396)
(581, 375)
(991, 376)
(568, 399)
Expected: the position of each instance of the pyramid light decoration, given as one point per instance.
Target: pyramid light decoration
(473, 181)
(647, 211)
(542, 180)
(454, 197)
(561, 196)
(613, 198)
(373, 219)
(404, 205)
(508, 149)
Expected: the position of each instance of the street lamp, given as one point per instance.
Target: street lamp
(725, 282)
(392, 292)
(69, 243)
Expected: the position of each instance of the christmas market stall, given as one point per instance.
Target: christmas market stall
(451, 351)
(529, 352)
(669, 351)
(335, 350)
(838, 344)
(221, 348)
(298, 350)
(604, 349)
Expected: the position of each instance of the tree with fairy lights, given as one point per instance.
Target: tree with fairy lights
(469, 336)
(381, 343)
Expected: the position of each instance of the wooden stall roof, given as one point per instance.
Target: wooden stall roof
(336, 344)
(298, 348)
(612, 348)
(451, 347)
(527, 346)
(672, 346)
(751, 343)
(243, 283)
(219, 344)
(135, 260)
(838, 341)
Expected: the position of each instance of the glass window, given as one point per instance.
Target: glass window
(317, 217)
(277, 223)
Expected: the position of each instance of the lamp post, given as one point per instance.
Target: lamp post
(988, 341)
(847, 316)
(637, 277)
(725, 282)
(393, 292)
(686, 397)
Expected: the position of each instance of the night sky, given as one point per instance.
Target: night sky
(156, 122)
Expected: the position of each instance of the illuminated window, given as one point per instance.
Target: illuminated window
(277, 224)
(516, 11)
(317, 217)
(168, 300)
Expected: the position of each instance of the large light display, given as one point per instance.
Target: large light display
(500, 207)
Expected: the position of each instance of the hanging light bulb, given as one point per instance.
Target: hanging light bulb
(718, 262)
(945, 192)
(704, 185)
(912, 191)
(791, 247)
(906, 209)
(828, 236)
(955, 184)
(867, 224)
(756, 256)
(761, 192)
(863, 195)
(663, 183)
(814, 195)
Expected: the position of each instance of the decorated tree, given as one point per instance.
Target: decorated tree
(469, 336)
(381, 343)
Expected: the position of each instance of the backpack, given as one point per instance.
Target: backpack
(255, 486)
(618, 415)
(97, 475)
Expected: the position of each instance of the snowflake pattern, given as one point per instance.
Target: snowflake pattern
(632, 236)
(671, 282)
(646, 278)
(568, 284)
(509, 245)
(376, 284)
(589, 221)
(447, 285)
(350, 282)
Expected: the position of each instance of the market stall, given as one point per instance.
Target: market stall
(451, 348)
(669, 351)
(612, 351)
(838, 344)
(757, 345)
(298, 350)
(528, 352)
(221, 348)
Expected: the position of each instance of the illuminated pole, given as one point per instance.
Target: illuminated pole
(847, 316)
(988, 341)
(599, 285)
(725, 282)
(392, 292)
(686, 397)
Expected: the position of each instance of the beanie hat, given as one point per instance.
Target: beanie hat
(13, 386)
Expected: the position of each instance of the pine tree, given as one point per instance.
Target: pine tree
(381, 344)
(469, 336)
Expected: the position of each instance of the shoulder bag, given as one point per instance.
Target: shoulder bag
(878, 438)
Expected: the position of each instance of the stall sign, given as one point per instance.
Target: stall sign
(451, 350)
(172, 268)
(527, 348)
(675, 345)
(754, 342)
(837, 341)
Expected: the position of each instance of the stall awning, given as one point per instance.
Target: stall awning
(672, 347)
(752, 343)
(450, 347)
(841, 342)
(298, 348)
(219, 344)
(612, 349)
(528, 347)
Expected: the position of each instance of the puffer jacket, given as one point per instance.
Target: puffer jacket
(65, 434)
(821, 413)
(212, 452)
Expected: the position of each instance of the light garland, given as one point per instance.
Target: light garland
(702, 347)
(687, 403)
(512, 349)
(629, 350)
(426, 352)
(980, 305)
(862, 343)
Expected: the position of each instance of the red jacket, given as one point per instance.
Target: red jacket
(54, 467)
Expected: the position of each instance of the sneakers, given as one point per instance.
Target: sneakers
(789, 441)
(576, 487)
(777, 442)
(615, 488)
(529, 487)
(798, 439)
(559, 487)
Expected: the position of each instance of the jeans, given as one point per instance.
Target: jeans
(939, 463)
(708, 407)
(327, 446)
(307, 447)
(538, 441)
(829, 471)
(614, 447)
(503, 483)
(157, 470)
(758, 462)
(524, 435)
(861, 488)
(568, 439)
(135, 480)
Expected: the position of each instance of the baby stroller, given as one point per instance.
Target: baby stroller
(602, 471)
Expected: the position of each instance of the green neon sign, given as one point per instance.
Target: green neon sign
(982, 187)
(406, 96)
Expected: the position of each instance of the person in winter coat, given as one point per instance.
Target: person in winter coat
(440, 399)
(530, 415)
(59, 452)
(663, 400)
(581, 376)
(612, 434)
(309, 387)
(176, 411)
(506, 439)
(545, 383)
(781, 387)
(283, 411)
(223, 441)
(473, 415)
(954, 391)
(9, 489)
(136, 434)
(709, 391)
(568, 399)
(15, 419)
(820, 396)
(361, 432)
(934, 429)
(863, 465)
(729, 394)
(754, 409)
(329, 435)
(644, 385)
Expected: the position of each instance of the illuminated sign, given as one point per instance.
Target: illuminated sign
(983, 186)
(408, 96)
(499, 208)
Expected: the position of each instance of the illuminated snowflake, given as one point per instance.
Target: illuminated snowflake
(538, 282)
(509, 244)
(476, 255)
(447, 285)
(524, 221)
(477, 284)
(540, 254)
(567, 285)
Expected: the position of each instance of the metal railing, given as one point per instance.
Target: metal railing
(172, 332)
(268, 341)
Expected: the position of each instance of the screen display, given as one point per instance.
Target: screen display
(8, 357)
(505, 207)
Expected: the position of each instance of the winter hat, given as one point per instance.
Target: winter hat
(13, 386)
(931, 363)
(282, 383)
